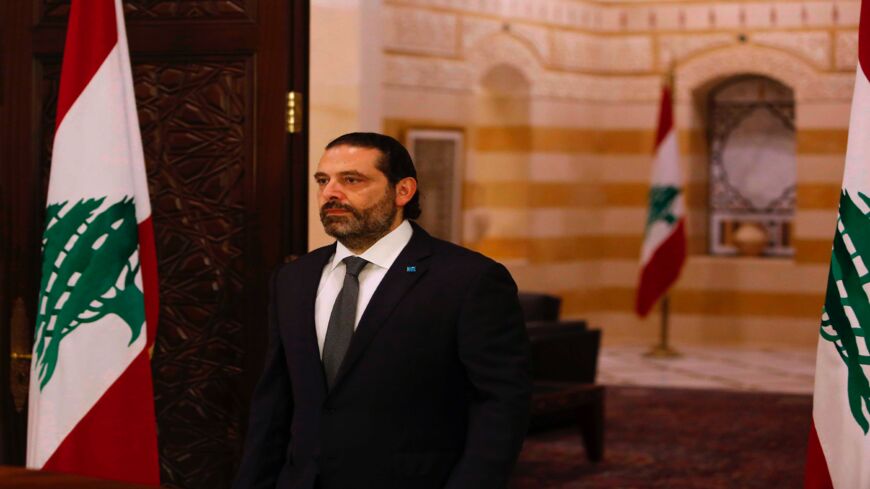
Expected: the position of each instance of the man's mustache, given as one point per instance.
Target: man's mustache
(334, 204)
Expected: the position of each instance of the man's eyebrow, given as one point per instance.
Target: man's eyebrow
(348, 173)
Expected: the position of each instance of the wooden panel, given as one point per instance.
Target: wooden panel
(196, 120)
(227, 195)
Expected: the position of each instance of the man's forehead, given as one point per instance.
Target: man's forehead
(347, 158)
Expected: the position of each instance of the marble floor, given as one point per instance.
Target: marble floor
(744, 369)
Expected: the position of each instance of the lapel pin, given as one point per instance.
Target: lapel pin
(411, 269)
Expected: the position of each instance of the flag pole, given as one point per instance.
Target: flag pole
(663, 349)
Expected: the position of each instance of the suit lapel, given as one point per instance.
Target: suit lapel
(408, 268)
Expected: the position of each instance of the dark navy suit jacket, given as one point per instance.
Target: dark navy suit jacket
(433, 393)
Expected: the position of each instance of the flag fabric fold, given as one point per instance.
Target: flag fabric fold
(664, 245)
(91, 407)
(838, 453)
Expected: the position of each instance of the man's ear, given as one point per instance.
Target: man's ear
(405, 189)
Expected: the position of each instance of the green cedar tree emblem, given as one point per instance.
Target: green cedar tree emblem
(88, 272)
(661, 204)
(847, 289)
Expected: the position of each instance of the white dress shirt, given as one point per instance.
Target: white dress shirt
(380, 256)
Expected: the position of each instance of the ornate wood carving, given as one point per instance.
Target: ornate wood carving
(195, 119)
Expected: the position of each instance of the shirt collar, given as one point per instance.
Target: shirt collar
(383, 253)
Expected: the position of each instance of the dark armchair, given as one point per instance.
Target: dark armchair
(564, 361)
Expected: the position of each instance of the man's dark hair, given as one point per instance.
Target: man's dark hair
(395, 162)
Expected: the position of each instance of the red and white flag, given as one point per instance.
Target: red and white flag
(838, 453)
(664, 244)
(91, 409)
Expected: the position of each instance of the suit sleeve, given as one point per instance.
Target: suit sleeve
(494, 349)
(271, 412)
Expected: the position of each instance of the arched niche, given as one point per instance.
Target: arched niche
(752, 167)
(505, 72)
(697, 76)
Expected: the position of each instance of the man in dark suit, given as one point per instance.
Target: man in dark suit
(396, 360)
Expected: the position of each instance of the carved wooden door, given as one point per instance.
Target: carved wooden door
(228, 190)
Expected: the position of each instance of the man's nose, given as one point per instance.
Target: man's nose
(332, 191)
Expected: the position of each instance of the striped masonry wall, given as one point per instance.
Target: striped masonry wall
(557, 101)
(564, 207)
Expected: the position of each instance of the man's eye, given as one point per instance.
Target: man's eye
(351, 180)
(320, 181)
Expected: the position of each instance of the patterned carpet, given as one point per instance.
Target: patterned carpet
(678, 439)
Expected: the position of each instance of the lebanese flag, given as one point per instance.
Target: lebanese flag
(664, 243)
(91, 408)
(838, 455)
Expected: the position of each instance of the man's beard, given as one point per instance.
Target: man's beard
(360, 229)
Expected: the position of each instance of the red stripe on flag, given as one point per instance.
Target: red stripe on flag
(662, 270)
(117, 438)
(666, 116)
(91, 34)
(864, 39)
(148, 262)
(816, 476)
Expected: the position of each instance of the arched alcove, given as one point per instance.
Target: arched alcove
(697, 77)
(752, 169)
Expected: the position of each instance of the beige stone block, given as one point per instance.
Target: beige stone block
(757, 15)
(813, 46)
(819, 14)
(820, 169)
(495, 166)
(492, 223)
(537, 36)
(823, 114)
(474, 29)
(413, 71)
(608, 19)
(637, 18)
(682, 46)
(608, 54)
(420, 31)
(697, 16)
(848, 13)
(815, 224)
(455, 108)
(846, 56)
(591, 114)
(668, 17)
(788, 15)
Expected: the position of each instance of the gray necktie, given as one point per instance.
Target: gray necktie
(340, 328)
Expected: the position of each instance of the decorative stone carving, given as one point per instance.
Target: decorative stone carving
(846, 55)
(630, 17)
(680, 47)
(426, 72)
(420, 31)
(503, 49)
(474, 30)
(807, 83)
(814, 46)
(537, 36)
(598, 88)
(623, 54)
